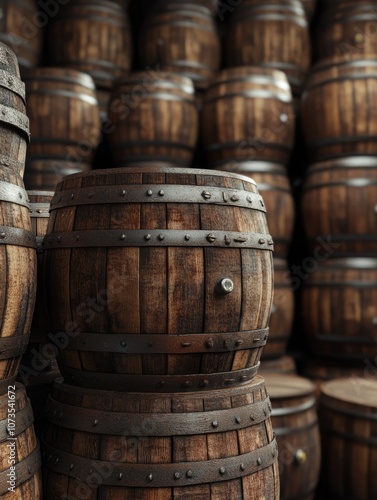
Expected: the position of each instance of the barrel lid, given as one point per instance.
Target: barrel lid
(158, 168)
(355, 390)
(287, 386)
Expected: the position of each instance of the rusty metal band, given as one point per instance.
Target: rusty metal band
(157, 383)
(253, 94)
(82, 80)
(65, 93)
(338, 339)
(13, 194)
(289, 431)
(9, 162)
(334, 408)
(360, 182)
(293, 410)
(156, 238)
(161, 475)
(369, 441)
(16, 119)
(11, 347)
(169, 344)
(6, 382)
(12, 83)
(22, 421)
(157, 193)
(24, 471)
(236, 145)
(17, 237)
(39, 210)
(156, 424)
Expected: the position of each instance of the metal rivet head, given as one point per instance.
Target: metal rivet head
(238, 343)
(284, 118)
(242, 466)
(259, 461)
(123, 192)
(262, 241)
(161, 237)
(265, 412)
(209, 343)
(252, 418)
(90, 195)
(59, 239)
(10, 81)
(227, 240)
(150, 477)
(71, 467)
(120, 475)
(2, 235)
(149, 192)
(238, 420)
(244, 378)
(204, 383)
(56, 461)
(160, 384)
(215, 424)
(123, 343)
(122, 237)
(147, 237)
(249, 199)
(261, 202)
(72, 196)
(256, 339)
(187, 237)
(211, 238)
(189, 474)
(95, 423)
(30, 470)
(206, 195)
(177, 475)
(227, 343)
(270, 406)
(235, 197)
(188, 383)
(300, 456)
(222, 470)
(161, 192)
(185, 344)
(225, 286)
(270, 242)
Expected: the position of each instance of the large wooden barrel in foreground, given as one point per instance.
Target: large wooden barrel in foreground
(20, 461)
(92, 36)
(339, 308)
(295, 423)
(60, 146)
(214, 445)
(161, 272)
(14, 124)
(248, 116)
(339, 199)
(181, 38)
(335, 126)
(348, 419)
(17, 274)
(153, 117)
(274, 34)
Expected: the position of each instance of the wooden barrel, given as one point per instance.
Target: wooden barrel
(181, 38)
(334, 188)
(282, 312)
(14, 124)
(348, 418)
(40, 356)
(153, 118)
(348, 29)
(274, 185)
(339, 308)
(21, 30)
(92, 36)
(60, 146)
(334, 128)
(20, 464)
(321, 370)
(274, 34)
(17, 274)
(285, 365)
(164, 272)
(295, 423)
(310, 8)
(212, 445)
(248, 116)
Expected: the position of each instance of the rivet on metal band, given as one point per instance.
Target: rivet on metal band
(155, 424)
(16, 119)
(24, 470)
(161, 475)
(17, 237)
(168, 344)
(39, 210)
(157, 238)
(23, 419)
(11, 193)
(158, 383)
(12, 83)
(157, 193)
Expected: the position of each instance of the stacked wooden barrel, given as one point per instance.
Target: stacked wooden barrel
(19, 449)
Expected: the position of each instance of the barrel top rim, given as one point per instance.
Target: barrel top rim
(160, 170)
(281, 386)
(254, 383)
(355, 390)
